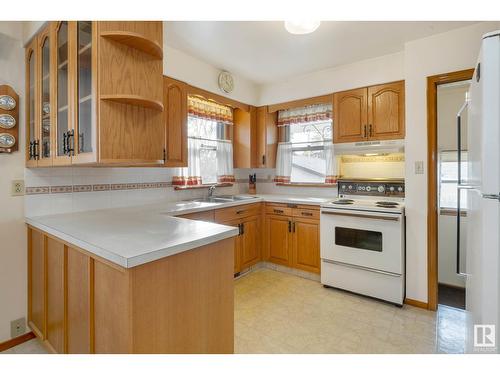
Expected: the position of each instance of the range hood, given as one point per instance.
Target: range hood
(370, 147)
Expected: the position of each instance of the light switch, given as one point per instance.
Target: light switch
(419, 167)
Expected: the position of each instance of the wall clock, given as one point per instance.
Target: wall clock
(226, 82)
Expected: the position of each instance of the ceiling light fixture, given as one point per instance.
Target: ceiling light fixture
(301, 27)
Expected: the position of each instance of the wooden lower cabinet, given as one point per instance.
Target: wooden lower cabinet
(278, 229)
(293, 240)
(183, 303)
(250, 242)
(237, 244)
(306, 242)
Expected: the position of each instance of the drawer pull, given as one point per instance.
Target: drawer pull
(240, 212)
(306, 213)
(278, 211)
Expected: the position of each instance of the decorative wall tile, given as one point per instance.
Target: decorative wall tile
(82, 188)
(100, 187)
(61, 189)
(37, 190)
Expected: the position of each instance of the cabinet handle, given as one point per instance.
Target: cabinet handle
(70, 142)
(65, 143)
(31, 150)
(239, 229)
(306, 213)
(240, 212)
(289, 226)
(364, 131)
(278, 211)
(242, 228)
(263, 159)
(370, 130)
(35, 150)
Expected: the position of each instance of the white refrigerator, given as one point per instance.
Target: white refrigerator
(482, 186)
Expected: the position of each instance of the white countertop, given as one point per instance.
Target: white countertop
(132, 236)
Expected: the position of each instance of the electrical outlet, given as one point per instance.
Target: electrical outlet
(17, 327)
(419, 167)
(17, 188)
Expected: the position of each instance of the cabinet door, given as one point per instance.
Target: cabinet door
(36, 282)
(266, 138)
(250, 241)
(62, 118)
(55, 295)
(386, 112)
(244, 133)
(45, 99)
(237, 244)
(175, 112)
(278, 231)
(306, 245)
(31, 102)
(84, 137)
(350, 116)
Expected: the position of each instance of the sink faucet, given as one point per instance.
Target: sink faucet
(211, 190)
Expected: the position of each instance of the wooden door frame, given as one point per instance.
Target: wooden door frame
(432, 198)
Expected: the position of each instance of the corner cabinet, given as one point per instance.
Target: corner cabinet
(370, 113)
(95, 94)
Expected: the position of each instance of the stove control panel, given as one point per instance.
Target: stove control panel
(372, 188)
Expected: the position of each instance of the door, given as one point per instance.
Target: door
(31, 103)
(83, 138)
(250, 241)
(386, 112)
(364, 239)
(56, 255)
(36, 282)
(278, 237)
(176, 117)
(62, 116)
(45, 99)
(306, 245)
(350, 116)
(266, 138)
(237, 244)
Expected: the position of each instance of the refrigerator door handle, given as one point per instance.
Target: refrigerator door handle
(459, 175)
(491, 196)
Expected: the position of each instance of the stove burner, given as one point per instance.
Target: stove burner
(343, 201)
(387, 204)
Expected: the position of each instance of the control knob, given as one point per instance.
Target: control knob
(400, 189)
(368, 188)
(391, 188)
(381, 188)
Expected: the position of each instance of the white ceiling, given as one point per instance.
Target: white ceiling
(264, 52)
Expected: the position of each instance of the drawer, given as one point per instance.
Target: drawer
(202, 216)
(235, 212)
(278, 210)
(306, 213)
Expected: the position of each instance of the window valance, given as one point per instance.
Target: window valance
(310, 113)
(208, 110)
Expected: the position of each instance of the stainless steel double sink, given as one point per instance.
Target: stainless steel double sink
(223, 198)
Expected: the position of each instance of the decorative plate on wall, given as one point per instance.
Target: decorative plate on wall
(7, 140)
(7, 102)
(7, 121)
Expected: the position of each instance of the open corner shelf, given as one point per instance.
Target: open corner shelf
(135, 100)
(136, 41)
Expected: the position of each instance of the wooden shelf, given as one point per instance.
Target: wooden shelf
(135, 100)
(136, 41)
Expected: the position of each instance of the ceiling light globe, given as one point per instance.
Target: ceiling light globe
(301, 27)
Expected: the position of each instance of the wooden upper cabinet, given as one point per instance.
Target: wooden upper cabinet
(95, 94)
(369, 113)
(386, 112)
(266, 138)
(175, 120)
(350, 116)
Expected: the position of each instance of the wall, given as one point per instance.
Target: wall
(13, 300)
(184, 67)
(447, 52)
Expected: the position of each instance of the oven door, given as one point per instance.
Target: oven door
(372, 240)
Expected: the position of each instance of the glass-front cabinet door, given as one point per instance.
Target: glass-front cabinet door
(44, 148)
(85, 119)
(63, 125)
(31, 90)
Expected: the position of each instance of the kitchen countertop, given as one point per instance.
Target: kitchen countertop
(131, 236)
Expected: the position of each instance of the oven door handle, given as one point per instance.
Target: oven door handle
(361, 267)
(364, 216)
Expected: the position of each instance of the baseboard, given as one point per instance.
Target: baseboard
(414, 302)
(16, 341)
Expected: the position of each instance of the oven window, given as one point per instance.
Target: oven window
(359, 239)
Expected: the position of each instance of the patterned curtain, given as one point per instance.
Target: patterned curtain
(190, 175)
(205, 109)
(310, 113)
(224, 154)
(331, 164)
